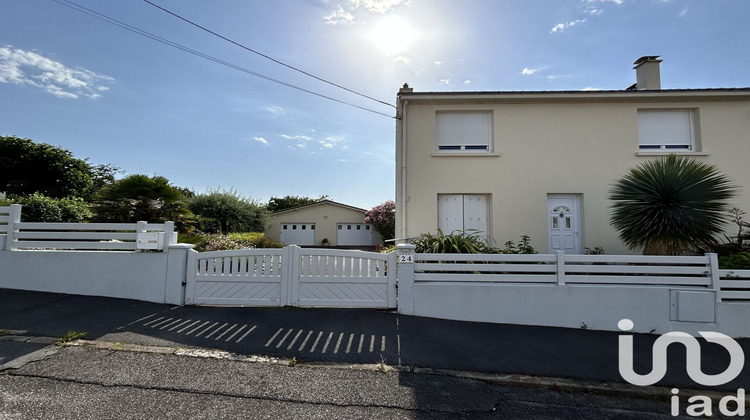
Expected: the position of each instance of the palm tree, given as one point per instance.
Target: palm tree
(670, 206)
(140, 197)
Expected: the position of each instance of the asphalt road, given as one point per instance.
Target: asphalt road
(341, 336)
(86, 383)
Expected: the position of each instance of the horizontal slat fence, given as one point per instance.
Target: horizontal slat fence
(87, 236)
(564, 269)
(5, 218)
(735, 285)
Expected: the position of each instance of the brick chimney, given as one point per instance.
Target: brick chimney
(647, 73)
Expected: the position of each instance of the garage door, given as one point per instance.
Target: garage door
(298, 233)
(354, 234)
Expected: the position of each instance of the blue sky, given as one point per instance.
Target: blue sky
(113, 96)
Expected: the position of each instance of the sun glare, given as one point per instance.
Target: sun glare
(393, 35)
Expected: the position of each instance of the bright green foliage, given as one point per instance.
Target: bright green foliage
(27, 168)
(523, 247)
(670, 206)
(38, 208)
(738, 261)
(289, 201)
(230, 212)
(205, 243)
(458, 242)
(140, 197)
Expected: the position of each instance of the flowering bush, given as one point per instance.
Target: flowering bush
(383, 219)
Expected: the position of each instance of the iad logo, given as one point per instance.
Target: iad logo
(692, 365)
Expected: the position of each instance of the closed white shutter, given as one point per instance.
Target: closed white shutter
(463, 130)
(475, 213)
(462, 212)
(665, 129)
(450, 212)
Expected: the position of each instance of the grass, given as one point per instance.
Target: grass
(70, 336)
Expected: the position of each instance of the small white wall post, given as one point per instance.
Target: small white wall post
(168, 236)
(713, 272)
(560, 268)
(405, 258)
(13, 221)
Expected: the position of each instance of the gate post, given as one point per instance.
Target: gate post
(290, 273)
(13, 220)
(405, 257)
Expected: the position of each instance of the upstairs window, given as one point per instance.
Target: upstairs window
(464, 131)
(668, 130)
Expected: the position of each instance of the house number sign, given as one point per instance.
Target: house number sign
(406, 259)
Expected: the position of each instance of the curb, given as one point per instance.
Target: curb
(563, 385)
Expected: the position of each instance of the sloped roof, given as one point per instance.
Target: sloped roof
(319, 203)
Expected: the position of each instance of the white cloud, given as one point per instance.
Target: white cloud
(401, 59)
(467, 82)
(333, 142)
(560, 27)
(378, 6)
(297, 137)
(437, 63)
(260, 140)
(339, 16)
(590, 89)
(527, 71)
(445, 81)
(32, 69)
(275, 109)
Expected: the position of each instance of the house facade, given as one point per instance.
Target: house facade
(323, 224)
(542, 163)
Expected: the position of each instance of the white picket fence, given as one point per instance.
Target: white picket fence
(292, 276)
(83, 236)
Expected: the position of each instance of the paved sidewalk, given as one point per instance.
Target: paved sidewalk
(352, 336)
(89, 382)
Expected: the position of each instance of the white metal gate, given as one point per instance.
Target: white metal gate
(292, 276)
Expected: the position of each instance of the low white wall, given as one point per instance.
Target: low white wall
(591, 307)
(148, 276)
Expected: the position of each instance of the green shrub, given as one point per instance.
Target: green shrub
(217, 242)
(738, 261)
(457, 242)
(523, 247)
(39, 208)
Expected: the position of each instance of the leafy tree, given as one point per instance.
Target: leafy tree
(232, 212)
(27, 168)
(101, 176)
(38, 208)
(383, 219)
(140, 197)
(670, 206)
(289, 201)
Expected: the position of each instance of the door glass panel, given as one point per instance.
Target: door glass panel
(567, 223)
(555, 224)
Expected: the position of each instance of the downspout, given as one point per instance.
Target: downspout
(401, 169)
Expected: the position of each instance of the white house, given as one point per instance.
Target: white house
(325, 223)
(542, 163)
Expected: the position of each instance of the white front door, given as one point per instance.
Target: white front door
(564, 223)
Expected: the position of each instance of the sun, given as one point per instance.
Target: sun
(393, 35)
